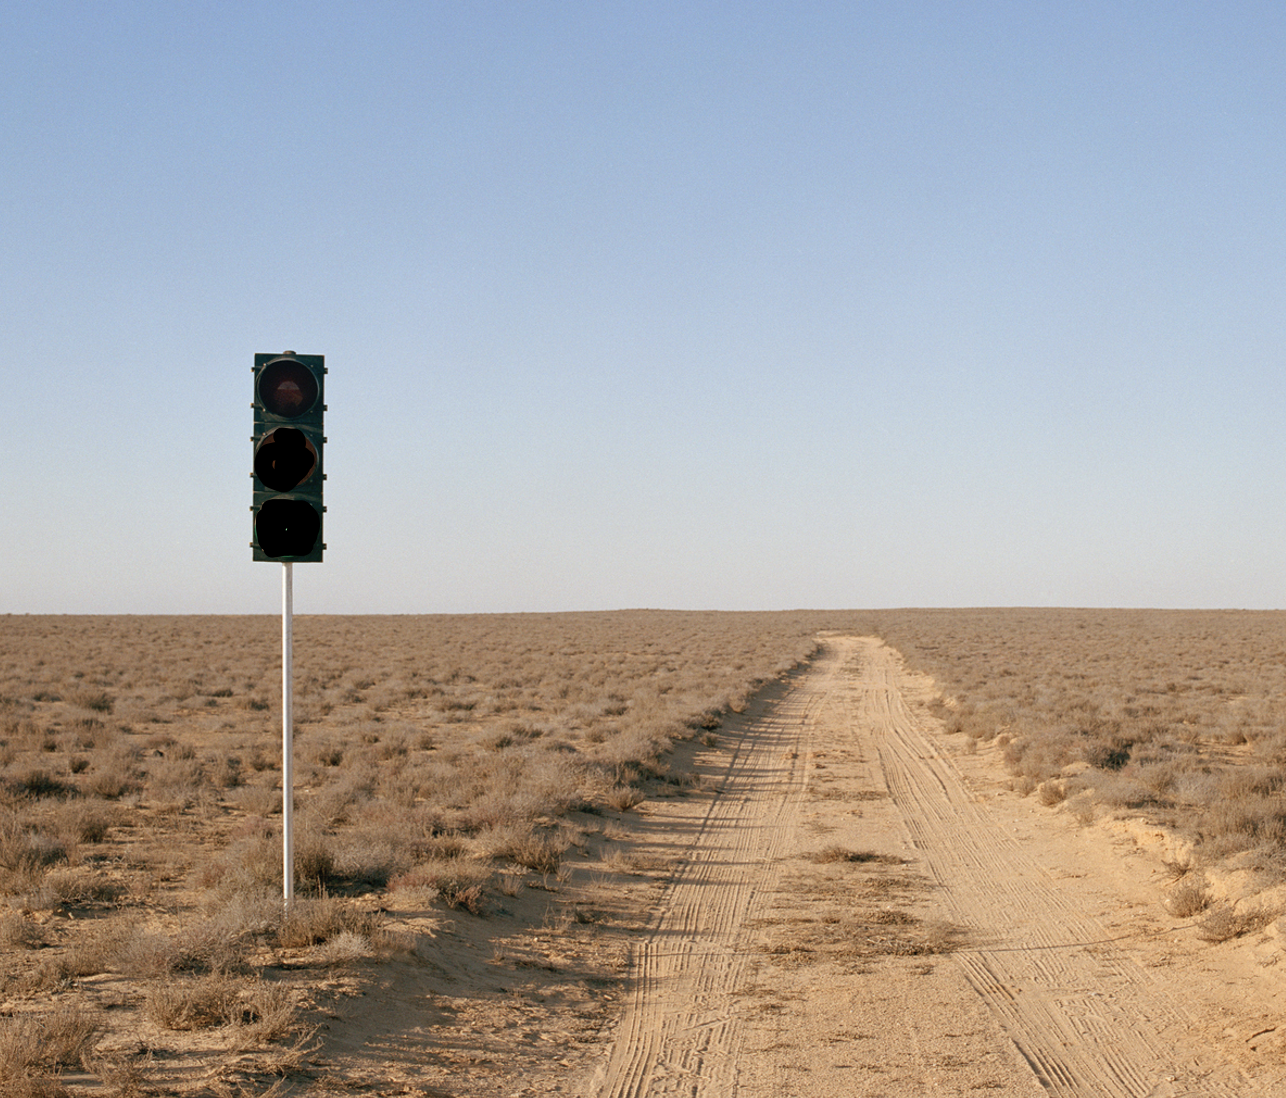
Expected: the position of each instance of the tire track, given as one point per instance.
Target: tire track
(679, 1033)
(1086, 1017)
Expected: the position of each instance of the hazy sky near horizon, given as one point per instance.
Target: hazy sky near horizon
(690, 305)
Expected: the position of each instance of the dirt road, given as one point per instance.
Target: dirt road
(864, 909)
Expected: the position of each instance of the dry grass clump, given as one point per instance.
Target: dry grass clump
(1226, 922)
(1188, 896)
(19, 931)
(458, 882)
(316, 921)
(521, 846)
(194, 1003)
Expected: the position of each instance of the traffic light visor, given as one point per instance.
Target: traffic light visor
(287, 388)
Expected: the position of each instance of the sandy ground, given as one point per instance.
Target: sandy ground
(855, 904)
(970, 941)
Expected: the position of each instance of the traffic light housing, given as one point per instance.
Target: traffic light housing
(288, 469)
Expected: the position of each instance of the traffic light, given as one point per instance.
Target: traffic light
(288, 470)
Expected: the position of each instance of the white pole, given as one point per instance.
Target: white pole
(287, 728)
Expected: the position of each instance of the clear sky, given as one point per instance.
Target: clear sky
(691, 305)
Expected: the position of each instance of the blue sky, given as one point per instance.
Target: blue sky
(691, 305)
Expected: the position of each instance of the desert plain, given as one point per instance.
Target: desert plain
(646, 853)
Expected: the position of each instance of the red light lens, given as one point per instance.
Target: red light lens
(287, 388)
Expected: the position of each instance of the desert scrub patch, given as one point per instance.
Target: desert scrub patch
(367, 856)
(266, 1013)
(1052, 792)
(1169, 701)
(314, 858)
(402, 783)
(622, 798)
(221, 944)
(257, 800)
(251, 863)
(37, 782)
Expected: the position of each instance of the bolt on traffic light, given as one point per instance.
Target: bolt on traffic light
(288, 472)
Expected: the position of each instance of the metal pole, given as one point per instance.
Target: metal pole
(287, 728)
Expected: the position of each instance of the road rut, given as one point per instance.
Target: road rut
(849, 915)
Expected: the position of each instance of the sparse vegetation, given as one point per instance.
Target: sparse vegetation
(449, 765)
(441, 762)
(1178, 717)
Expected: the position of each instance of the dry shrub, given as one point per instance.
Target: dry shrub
(329, 754)
(96, 700)
(177, 780)
(268, 1014)
(67, 1035)
(360, 858)
(441, 846)
(311, 922)
(33, 1050)
(37, 782)
(250, 865)
(257, 800)
(95, 949)
(314, 859)
(1187, 897)
(84, 821)
(1039, 758)
(623, 797)
(1120, 790)
(1052, 792)
(639, 747)
(123, 1076)
(1248, 812)
(345, 948)
(457, 882)
(219, 945)
(23, 846)
(79, 886)
(114, 775)
(1106, 750)
(1226, 922)
(525, 847)
(202, 1002)
(224, 771)
(26, 856)
(19, 932)
(24, 1073)
(368, 857)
